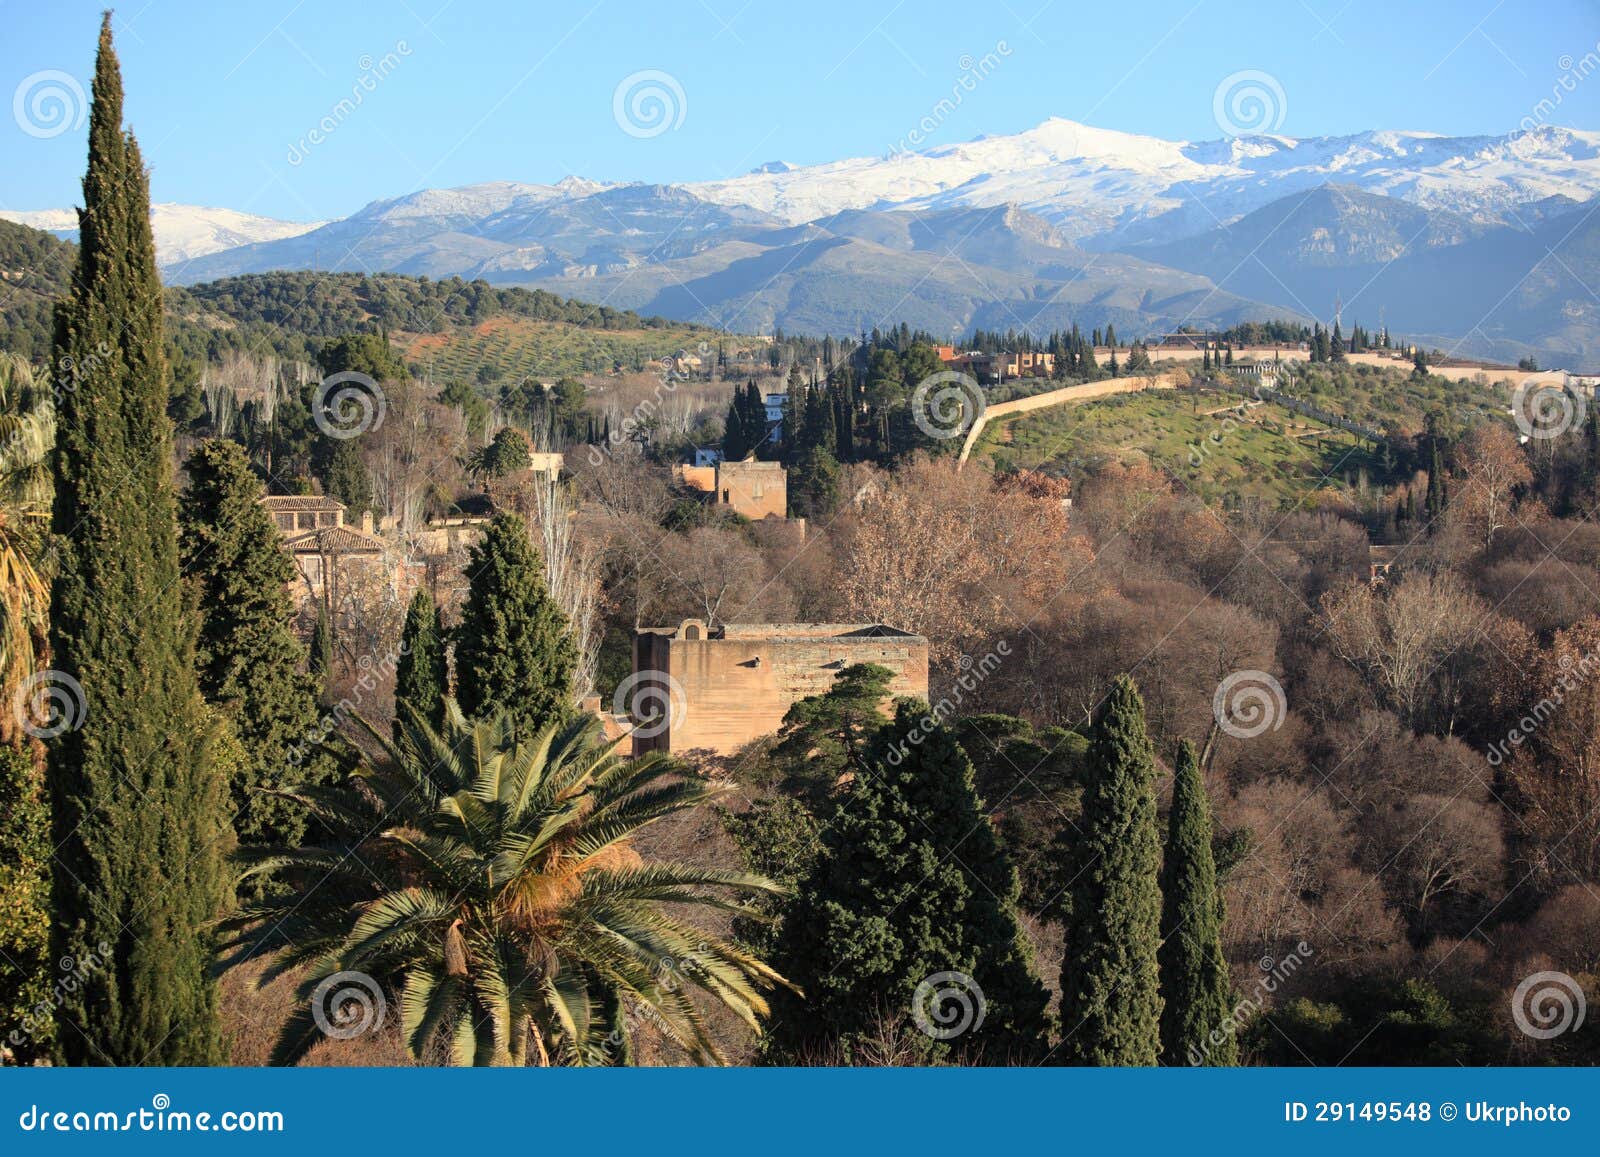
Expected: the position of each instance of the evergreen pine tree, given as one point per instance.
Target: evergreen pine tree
(1194, 973)
(247, 657)
(1110, 998)
(137, 807)
(421, 679)
(911, 882)
(514, 650)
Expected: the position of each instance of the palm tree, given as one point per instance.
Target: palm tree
(27, 437)
(494, 883)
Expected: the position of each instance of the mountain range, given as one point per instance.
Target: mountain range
(1484, 245)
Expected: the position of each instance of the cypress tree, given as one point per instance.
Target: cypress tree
(513, 647)
(735, 441)
(320, 664)
(345, 476)
(137, 806)
(1194, 974)
(421, 680)
(911, 882)
(1110, 1000)
(249, 663)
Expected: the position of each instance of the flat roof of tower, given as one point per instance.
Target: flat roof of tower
(797, 632)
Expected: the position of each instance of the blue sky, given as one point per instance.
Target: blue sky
(223, 96)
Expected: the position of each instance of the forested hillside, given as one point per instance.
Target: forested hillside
(291, 314)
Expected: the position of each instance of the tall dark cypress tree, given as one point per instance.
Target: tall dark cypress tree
(421, 679)
(513, 648)
(320, 663)
(911, 882)
(1110, 999)
(736, 441)
(250, 664)
(1194, 973)
(138, 810)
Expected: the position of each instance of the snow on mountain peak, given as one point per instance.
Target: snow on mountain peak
(1091, 181)
(182, 232)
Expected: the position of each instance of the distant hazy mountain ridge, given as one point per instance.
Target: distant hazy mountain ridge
(1061, 223)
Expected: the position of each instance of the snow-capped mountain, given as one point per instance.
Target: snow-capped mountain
(1062, 223)
(183, 232)
(1107, 188)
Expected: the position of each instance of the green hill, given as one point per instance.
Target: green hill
(1265, 452)
(451, 326)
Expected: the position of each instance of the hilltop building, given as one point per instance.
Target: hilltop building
(328, 553)
(750, 489)
(733, 683)
(992, 369)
